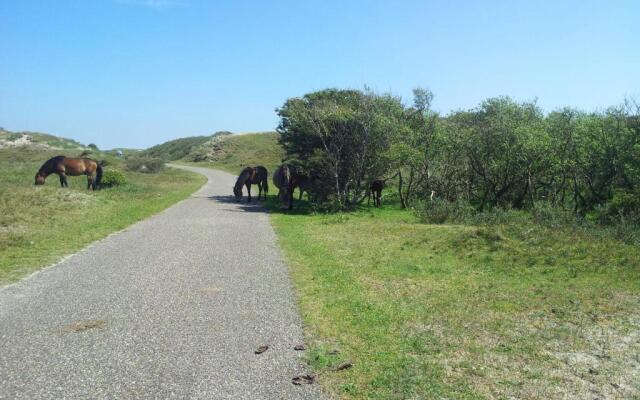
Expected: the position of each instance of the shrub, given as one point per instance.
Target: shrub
(439, 211)
(150, 165)
(112, 178)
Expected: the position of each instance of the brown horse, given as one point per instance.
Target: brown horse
(306, 184)
(287, 178)
(252, 175)
(64, 166)
(376, 188)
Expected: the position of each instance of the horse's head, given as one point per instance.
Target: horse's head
(39, 179)
(237, 191)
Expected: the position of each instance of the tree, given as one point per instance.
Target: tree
(340, 136)
(410, 153)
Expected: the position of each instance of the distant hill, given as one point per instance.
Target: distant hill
(9, 139)
(175, 149)
(237, 151)
(223, 150)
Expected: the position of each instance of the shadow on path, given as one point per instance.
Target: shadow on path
(254, 206)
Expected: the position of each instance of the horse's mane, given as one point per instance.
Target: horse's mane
(242, 178)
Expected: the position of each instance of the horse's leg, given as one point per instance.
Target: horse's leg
(291, 199)
(260, 190)
(301, 192)
(248, 185)
(63, 180)
(88, 182)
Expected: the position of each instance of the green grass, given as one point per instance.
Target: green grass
(41, 224)
(464, 312)
(232, 153)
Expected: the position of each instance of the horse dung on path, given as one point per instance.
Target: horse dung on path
(69, 166)
(252, 175)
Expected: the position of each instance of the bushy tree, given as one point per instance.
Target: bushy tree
(410, 153)
(341, 137)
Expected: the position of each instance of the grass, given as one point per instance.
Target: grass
(41, 224)
(232, 153)
(463, 312)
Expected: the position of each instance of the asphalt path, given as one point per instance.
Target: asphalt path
(171, 307)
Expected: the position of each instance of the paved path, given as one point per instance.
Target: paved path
(172, 307)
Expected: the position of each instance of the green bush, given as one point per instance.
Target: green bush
(112, 178)
(149, 165)
(439, 211)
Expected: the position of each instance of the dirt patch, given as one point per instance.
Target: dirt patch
(83, 325)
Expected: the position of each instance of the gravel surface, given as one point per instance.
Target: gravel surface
(172, 307)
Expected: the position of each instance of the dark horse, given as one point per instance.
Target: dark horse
(375, 188)
(252, 175)
(64, 166)
(287, 178)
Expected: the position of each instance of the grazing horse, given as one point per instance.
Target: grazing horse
(64, 166)
(306, 183)
(252, 175)
(375, 188)
(286, 179)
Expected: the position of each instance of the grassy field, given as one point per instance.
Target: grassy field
(39, 225)
(465, 312)
(232, 153)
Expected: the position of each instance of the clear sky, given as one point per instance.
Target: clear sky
(138, 72)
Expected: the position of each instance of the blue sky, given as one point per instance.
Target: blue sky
(138, 72)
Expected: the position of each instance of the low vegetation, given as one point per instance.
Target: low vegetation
(510, 309)
(144, 164)
(41, 224)
(112, 178)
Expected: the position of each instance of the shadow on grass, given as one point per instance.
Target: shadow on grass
(300, 207)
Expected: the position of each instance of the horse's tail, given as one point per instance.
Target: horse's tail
(99, 173)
